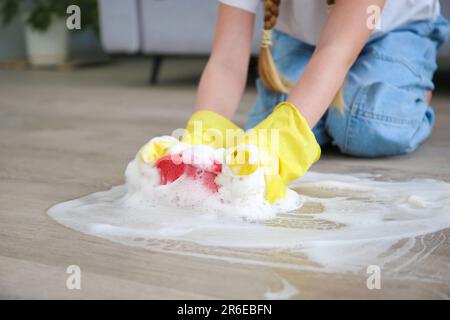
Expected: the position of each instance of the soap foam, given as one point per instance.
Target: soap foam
(237, 196)
(347, 222)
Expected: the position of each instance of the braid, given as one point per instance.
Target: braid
(268, 72)
(271, 12)
(267, 69)
(330, 4)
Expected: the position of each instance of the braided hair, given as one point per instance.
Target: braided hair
(267, 69)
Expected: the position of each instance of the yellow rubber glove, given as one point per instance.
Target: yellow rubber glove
(210, 128)
(204, 127)
(156, 148)
(285, 148)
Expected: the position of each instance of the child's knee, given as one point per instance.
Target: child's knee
(382, 120)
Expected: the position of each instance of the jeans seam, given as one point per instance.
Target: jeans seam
(378, 55)
(351, 114)
(366, 113)
(376, 116)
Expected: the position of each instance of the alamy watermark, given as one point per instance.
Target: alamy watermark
(73, 281)
(253, 147)
(374, 279)
(373, 21)
(73, 21)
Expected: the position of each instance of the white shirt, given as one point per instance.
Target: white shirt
(304, 19)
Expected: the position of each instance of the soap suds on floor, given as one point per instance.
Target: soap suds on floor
(347, 223)
(287, 291)
(237, 197)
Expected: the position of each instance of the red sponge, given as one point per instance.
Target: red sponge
(170, 171)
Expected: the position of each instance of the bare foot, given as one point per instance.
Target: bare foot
(428, 96)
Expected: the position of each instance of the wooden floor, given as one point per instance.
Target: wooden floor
(67, 134)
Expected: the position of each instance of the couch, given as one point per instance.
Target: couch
(170, 27)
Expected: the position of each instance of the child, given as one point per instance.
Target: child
(385, 74)
(338, 76)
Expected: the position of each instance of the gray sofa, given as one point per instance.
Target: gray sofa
(161, 27)
(170, 27)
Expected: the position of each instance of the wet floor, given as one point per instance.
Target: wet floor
(70, 134)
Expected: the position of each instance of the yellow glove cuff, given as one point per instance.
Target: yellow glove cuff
(298, 149)
(156, 148)
(210, 128)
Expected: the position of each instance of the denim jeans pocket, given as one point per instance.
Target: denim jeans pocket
(385, 120)
(384, 102)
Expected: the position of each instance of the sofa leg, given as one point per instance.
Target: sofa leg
(154, 69)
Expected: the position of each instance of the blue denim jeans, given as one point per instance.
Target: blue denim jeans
(384, 92)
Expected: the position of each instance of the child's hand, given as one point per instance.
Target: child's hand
(204, 127)
(155, 149)
(283, 145)
(210, 128)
